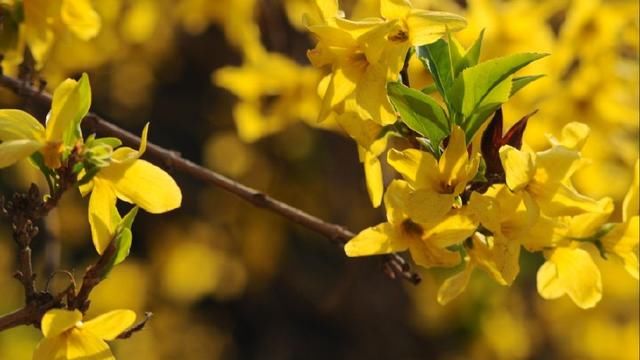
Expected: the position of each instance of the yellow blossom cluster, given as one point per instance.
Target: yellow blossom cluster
(477, 198)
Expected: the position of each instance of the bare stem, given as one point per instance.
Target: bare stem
(395, 266)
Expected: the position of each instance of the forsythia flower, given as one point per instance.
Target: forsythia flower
(418, 27)
(361, 65)
(622, 241)
(364, 55)
(437, 182)
(67, 337)
(507, 220)
(572, 271)
(22, 135)
(130, 179)
(427, 241)
(546, 176)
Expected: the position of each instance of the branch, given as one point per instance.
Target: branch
(137, 327)
(395, 266)
(92, 277)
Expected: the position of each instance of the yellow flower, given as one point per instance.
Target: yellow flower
(22, 135)
(373, 169)
(437, 182)
(570, 271)
(78, 16)
(507, 218)
(362, 61)
(507, 222)
(622, 241)
(419, 27)
(130, 179)
(427, 242)
(67, 337)
(570, 268)
(364, 55)
(546, 176)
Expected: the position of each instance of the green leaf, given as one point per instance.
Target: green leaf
(480, 89)
(489, 104)
(436, 57)
(121, 241)
(127, 220)
(478, 81)
(419, 112)
(429, 89)
(112, 142)
(471, 57)
(123, 246)
(520, 82)
(38, 160)
(456, 52)
(90, 172)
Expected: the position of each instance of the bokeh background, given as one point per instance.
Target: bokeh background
(227, 84)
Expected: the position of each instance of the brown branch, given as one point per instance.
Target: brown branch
(92, 277)
(23, 211)
(395, 266)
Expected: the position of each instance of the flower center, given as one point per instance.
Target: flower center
(411, 228)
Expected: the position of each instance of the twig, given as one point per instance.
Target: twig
(137, 327)
(339, 234)
(92, 277)
(51, 243)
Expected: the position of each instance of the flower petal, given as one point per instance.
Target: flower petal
(51, 349)
(453, 229)
(499, 256)
(428, 207)
(566, 201)
(631, 201)
(394, 9)
(570, 271)
(103, 215)
(454, 158)
(56, 321)
(125, 154)
(71, 102)
(396, 201)
(518, 167)
(428, 255)
(622, 241)
(373, 177)
(556, 165)
(485, 210)
(145, 185)
(419, 168)
(16, 150)
(426, 27)
(83, 345)
(380, 239)
(109, 325)
(574, 135)
(19, 125)
(455, 285)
